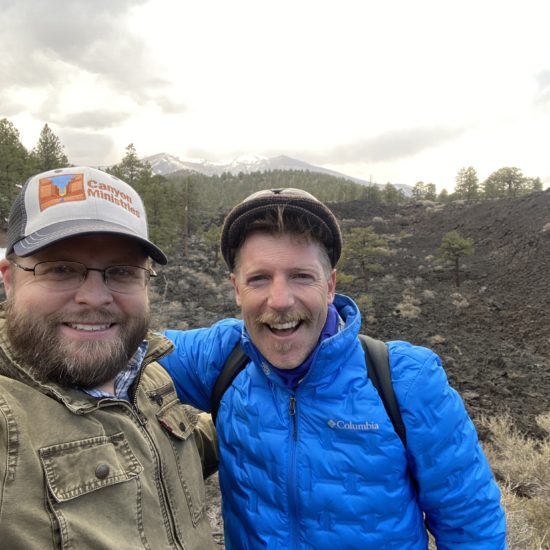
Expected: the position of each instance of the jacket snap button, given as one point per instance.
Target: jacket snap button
(102, 471)
(182, 426)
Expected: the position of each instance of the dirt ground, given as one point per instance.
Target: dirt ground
(493, 333)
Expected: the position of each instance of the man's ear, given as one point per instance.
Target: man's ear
(235, 284)
(5, 270)
(331, 286)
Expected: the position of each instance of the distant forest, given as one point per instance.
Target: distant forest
(183, 204)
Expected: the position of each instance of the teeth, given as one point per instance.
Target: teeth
(284, 326)
(89, 328)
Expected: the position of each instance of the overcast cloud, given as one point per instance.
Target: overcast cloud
(392, 145)
(62, 42)
(395, 91)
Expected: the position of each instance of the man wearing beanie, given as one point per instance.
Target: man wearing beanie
(96, 450)
(310, 458)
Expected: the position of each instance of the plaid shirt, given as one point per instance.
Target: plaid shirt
(124, 379)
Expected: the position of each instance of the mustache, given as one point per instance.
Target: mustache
(269, 318)
(90, 316)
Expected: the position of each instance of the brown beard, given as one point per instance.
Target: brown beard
(54, 358)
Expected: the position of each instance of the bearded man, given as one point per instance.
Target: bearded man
(96, 451)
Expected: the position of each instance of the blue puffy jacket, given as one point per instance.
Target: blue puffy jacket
(322, 467)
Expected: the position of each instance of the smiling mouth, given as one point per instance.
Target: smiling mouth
(283, 329)
(88, 328)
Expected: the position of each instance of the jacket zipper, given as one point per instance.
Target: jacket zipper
(292, 483)
(165, 503)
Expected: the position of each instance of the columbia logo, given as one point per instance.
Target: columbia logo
(343, 425)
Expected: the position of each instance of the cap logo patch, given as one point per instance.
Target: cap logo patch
(62, 188)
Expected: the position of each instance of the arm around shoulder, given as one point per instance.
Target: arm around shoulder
(198, 357)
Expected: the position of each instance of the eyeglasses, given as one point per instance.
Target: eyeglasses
(61, 275)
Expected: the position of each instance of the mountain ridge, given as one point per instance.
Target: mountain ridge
(165, 164)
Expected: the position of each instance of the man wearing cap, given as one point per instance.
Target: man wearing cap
(309, 456)
(96, 451)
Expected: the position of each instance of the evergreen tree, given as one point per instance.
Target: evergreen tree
(212, 239)
(424, 191)
(505, 182)
(467, 183)
(373, 194)
(131, 169)
(14, 167)
(362, 244)
(392, 195)
(453, 246)
(48, 153)
(533, 184)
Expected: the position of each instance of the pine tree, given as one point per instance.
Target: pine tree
(212, 239)
(14, 166)
(424, 191)
(453, 246)
(132, 170)
(362, 245)
(48, 153)
(467, 183)
(505, 182)
(392, 195)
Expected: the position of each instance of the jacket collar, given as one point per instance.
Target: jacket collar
(331, 351)
(72, 398)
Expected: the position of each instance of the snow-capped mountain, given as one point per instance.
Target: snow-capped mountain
(165, 164)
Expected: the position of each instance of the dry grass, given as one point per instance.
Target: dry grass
(522, 467)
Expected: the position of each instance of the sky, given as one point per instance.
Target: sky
(394, 91)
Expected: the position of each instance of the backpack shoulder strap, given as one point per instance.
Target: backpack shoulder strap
(234, 364)
(378, 368)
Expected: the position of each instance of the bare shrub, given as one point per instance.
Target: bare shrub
(408, 308)
(522, 466)
(436, 339)
(459, 301)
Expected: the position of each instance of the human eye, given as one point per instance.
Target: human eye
(256, 280)
(58, 271)
(124, 273)
(303, 277)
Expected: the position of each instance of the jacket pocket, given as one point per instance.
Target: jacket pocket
(79, 467)
(94, 493)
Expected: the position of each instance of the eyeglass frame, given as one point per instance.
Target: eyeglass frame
(150, 273)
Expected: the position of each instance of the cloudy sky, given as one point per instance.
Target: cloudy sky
(388, 90)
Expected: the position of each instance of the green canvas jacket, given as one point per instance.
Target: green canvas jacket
(78, 472)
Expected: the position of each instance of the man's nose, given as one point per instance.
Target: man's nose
(280, 294)
(93, 291)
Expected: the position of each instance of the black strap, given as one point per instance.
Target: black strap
(378, 368)
(234, 364)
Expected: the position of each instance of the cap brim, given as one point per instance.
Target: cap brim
(242, 215)
(77, 228)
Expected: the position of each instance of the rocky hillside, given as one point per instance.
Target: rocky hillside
(493, 333)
